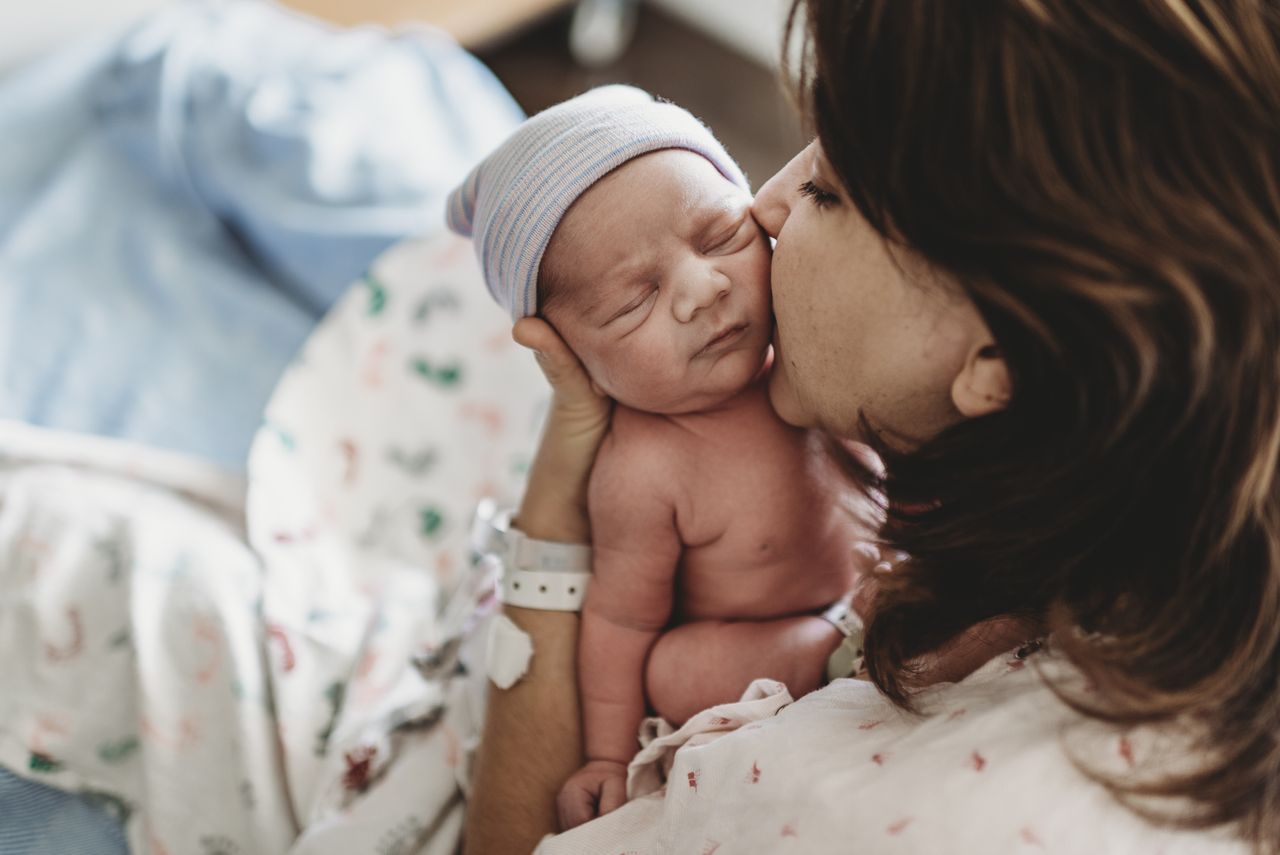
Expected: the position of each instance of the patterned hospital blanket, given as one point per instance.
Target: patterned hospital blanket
(233, 687)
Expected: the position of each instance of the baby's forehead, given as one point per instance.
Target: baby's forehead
(669, 190)
(616, 227)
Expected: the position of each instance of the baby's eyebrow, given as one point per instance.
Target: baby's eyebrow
(711, 214)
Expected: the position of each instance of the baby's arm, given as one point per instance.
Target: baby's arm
(636, 551)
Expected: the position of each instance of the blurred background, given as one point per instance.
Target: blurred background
(187, 186)
(718, 58)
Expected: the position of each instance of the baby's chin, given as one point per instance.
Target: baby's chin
(721, 386)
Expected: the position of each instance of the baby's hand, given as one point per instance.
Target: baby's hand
(594, 790)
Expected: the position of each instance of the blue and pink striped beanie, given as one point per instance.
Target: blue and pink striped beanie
(512, 202)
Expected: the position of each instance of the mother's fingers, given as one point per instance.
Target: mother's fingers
(573, 388)
(556, 360)
(579, 407)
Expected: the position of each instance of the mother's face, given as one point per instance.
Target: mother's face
(863, 327)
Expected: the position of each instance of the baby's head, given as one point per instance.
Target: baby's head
(624, 223)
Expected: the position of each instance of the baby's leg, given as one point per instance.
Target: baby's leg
(698, 665)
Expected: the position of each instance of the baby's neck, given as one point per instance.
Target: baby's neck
(749, 397)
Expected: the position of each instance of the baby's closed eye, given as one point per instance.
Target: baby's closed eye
(640, 300)
(732, 237)
(637, 301)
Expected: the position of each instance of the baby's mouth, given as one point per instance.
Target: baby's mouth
(724, 338)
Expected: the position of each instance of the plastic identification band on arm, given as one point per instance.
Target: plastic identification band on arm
(847, 659)
(532, 589)
(536, 574)
(544, 556)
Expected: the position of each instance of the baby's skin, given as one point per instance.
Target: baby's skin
(718, 530)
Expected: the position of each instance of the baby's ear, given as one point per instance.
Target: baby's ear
(982, 387)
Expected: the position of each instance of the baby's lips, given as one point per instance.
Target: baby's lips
(727, 334)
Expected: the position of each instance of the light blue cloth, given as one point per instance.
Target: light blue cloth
(180, 202)
(39, 820)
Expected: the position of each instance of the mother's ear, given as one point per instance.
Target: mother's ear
(982, 387)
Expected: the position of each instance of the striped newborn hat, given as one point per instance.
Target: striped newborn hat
(512, 202)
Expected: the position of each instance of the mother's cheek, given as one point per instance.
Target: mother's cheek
(783, 397)
(762, 265)
(786, 282)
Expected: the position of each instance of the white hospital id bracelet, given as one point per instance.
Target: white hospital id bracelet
(518, 550)
(847, 659)
(493, 534)
(557, 590)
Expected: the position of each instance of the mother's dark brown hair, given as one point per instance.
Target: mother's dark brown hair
(1103, 178)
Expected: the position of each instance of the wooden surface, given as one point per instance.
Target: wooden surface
(474, 23)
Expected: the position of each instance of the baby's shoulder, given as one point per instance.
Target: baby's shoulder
(641, 445)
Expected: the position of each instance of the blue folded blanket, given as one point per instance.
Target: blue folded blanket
(181, 202)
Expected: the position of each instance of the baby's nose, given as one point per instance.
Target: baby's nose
(701, 289)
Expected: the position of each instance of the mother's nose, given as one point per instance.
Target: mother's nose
(773, 201)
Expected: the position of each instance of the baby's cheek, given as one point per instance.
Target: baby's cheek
(754, 271)
(651, 367)
(641, 376)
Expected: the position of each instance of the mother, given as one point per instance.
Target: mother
(1031, 258)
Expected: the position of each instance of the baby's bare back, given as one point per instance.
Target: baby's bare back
(758, 512)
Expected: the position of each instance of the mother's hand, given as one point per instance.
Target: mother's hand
(532, 737)
(555, 500)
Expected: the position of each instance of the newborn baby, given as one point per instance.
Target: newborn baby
(717, 529)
